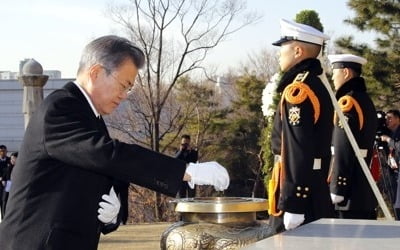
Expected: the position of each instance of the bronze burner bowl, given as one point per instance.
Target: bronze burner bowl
(216, 223)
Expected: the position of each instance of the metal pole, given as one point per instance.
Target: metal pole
(356, 149)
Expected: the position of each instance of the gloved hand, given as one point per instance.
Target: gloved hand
(109, 208)
(292, 220)
(208, 173)
(336, 198)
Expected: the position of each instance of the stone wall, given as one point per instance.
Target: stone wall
(11, 116)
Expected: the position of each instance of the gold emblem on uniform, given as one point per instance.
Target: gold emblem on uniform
(340, 124)
(294, 115)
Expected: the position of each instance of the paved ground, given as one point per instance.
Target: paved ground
(137, 236)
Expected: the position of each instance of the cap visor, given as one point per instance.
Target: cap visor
(280, 41)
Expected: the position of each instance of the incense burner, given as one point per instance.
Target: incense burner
(216, 223)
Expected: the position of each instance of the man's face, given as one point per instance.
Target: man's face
(338, 78)
(185, 143)
(287, 56)
(108, 91)
(3, 153)
(13, 159)
(392, 122)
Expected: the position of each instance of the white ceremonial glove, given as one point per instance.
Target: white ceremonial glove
(336, 198)
(292, 221)
(208, 173)
(109, 208)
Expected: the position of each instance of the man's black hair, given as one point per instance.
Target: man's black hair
(185, 136)
(394, 112)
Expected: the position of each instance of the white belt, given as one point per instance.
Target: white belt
(363, 152)
(316, 164)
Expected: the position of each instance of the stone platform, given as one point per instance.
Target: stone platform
(336, 234)
(136, 236)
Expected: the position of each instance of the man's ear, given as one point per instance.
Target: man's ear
(348, 73)
(298, 51)
(94, 72)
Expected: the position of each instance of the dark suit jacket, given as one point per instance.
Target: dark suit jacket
(187, 155)
(3, 169)
(67, 161)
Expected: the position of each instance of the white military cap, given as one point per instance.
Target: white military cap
(341, 61)
(300, 32)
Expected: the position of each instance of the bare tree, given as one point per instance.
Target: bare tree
(176, 36)
(263, 64)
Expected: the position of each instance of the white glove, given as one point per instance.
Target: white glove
(109, 208)
(336, 198)
(292, 220)
(208, 173)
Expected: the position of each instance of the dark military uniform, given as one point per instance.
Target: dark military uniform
(347, 178)
(302, 136)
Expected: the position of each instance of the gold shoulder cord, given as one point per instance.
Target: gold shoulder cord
(297, 92)
(274, 186)
(346, 103)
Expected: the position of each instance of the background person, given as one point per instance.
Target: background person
(393, 142)
(301, 135)
(68, 162)
(6, 181)
(350, 191)
(188, 154)
(4, 162)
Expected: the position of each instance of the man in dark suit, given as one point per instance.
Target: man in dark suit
(67, 160)
(6, 181)
(350, 191)
(4, 163)
(187, 154)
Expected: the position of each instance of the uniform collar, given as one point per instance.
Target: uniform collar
(312, 65)
(354, 84)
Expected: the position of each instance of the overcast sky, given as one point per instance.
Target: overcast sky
(54, 32)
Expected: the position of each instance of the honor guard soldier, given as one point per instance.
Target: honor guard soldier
(350, 190)
(301, 137)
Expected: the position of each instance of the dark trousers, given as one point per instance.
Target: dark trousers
(186, 191)
(123, 195)
(276, 224)
(122, 190)
(4, 203)
(357, 214)
(1, 200)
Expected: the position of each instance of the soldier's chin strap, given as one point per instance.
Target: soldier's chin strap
(355, 147)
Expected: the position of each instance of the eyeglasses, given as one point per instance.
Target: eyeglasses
(123, 88)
